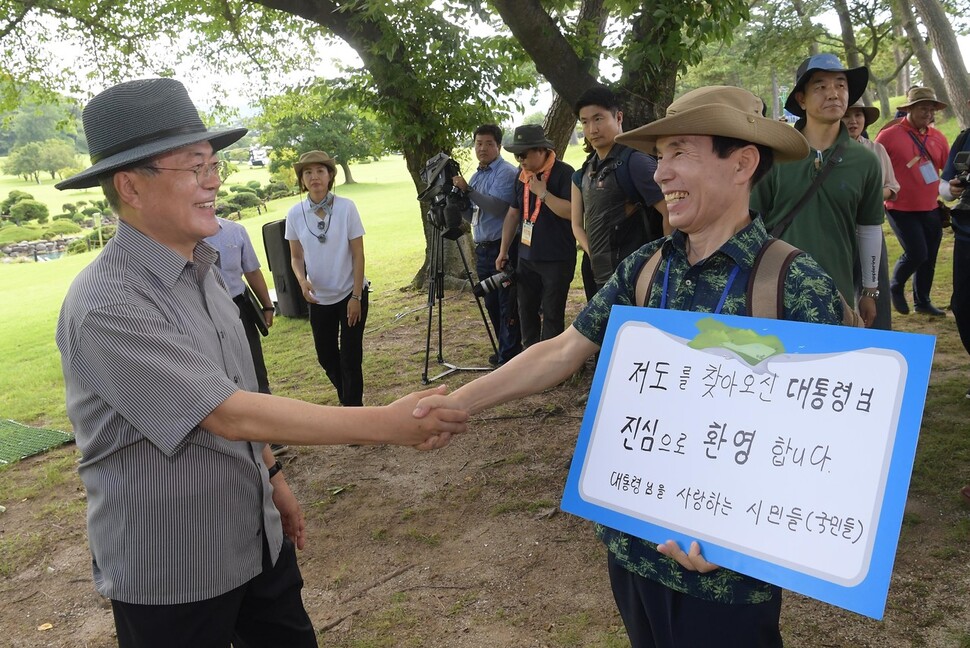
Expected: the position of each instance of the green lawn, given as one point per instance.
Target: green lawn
(31, 386)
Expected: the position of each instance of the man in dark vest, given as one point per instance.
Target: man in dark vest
(608, 222)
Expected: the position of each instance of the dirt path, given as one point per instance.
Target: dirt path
(464, 547)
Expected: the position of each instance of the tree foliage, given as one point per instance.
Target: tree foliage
(321, 117)
(29, 209)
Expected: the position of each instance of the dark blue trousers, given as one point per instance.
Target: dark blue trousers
(500, 304)
(656, 616)
(919, 234)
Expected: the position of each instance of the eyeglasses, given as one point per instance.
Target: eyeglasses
(524, 154)
(202, 172)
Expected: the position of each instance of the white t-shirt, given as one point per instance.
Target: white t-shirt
(329, 265)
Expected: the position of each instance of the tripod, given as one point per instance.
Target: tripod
(436, 292)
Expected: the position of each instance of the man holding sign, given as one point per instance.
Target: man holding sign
(712, 146)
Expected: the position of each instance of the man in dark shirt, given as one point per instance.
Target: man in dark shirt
(547, 248)
(608, 223)
(491, 192)
(713, 146)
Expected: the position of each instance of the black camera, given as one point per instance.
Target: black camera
(498, 280)
(961, 164)
(448, 202)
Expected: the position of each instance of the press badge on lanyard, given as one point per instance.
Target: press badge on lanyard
(928, 171)
(527, 232)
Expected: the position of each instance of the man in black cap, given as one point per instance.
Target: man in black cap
(191, 523)
(830, 203)
(547, 247)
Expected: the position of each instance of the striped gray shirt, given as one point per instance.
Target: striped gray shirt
(150, 344)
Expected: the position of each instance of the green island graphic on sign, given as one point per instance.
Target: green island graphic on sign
(747, 344)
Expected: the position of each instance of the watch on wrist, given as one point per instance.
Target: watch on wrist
(353, 296)
(269, 309)
(275, 468)
(870, 292)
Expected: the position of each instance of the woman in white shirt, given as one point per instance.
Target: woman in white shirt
(327, 254)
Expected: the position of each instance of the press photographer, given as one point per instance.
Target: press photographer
(491, 194)
(953, 184)
(547, 248)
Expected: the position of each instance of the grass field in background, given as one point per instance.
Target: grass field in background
(31, 385)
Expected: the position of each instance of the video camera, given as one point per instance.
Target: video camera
(961, 164)
(447, 201)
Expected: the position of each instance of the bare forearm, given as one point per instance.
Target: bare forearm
(251, 416)
(561, 207)
(536, 369)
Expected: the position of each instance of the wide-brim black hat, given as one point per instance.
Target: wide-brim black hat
(528, 137)
(857, 78)
(137, 120)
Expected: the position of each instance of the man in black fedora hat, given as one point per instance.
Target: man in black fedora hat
(712, 146)
(830, 203)
(547, 247)
(191, 524)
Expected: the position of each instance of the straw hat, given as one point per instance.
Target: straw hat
(857, 79)
(721, 110)
(137, 120)
(918, 94)
(871, 113)
(314, 157)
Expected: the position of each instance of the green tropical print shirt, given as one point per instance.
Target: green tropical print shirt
(810, 296)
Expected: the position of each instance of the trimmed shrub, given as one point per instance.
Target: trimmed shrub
(13, 198)
(61, 227)
(28, 209)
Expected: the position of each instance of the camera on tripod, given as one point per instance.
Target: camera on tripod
(498, 280)
(448, 202)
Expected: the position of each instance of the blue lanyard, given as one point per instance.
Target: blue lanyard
(720, 303)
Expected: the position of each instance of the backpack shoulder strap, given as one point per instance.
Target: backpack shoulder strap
(624, 177)
(645, 278)
(766, 284)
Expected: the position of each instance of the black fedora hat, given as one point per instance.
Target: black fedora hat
(858, 79)
(528, 137)
(137, 120)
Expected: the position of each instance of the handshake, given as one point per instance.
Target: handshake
(435, 417)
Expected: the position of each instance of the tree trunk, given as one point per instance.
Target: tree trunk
(931, 76)
(559, 124)
(902, 79)
(848, 35)
(554, 56)
(944, 40)
(775, 91)
(852, 57)
(882, 93)
(366, 33)
(348, 176)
